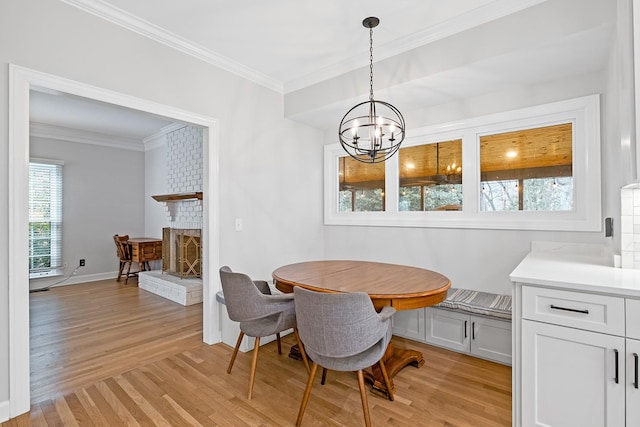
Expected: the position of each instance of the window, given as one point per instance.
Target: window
(431, 177)
(528, 169)
(45, 215)
(361, 186)
(537, 168)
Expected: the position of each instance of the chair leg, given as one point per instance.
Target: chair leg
(235, 352)
(363, 397)
(279, 343)
(128, 270)
(307, 392)
(387, 381)
(302, 352)
(120, 271)
(324, 376)
(254, 364)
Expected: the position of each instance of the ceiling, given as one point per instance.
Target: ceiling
(291, 45)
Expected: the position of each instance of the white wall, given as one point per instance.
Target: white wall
(103, 195)
(155, 182)
(270, 168)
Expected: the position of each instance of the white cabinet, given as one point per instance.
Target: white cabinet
(409, 324)
(479, 336)
(632, 356)
(575, 358)
(569, 377)
(632, 385)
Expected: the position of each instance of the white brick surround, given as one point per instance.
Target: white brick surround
(184, 175)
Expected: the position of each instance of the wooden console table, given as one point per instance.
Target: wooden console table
(145, 249)
(399, 286)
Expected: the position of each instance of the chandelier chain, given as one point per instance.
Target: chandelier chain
(371, 64)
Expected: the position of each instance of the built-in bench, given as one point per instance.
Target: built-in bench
(473, 322)
(476, 302)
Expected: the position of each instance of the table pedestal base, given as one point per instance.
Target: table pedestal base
(394, 360)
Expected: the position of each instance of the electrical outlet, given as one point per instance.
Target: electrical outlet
(82, 263)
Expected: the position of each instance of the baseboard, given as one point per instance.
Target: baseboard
(4, 411)
(73, 280)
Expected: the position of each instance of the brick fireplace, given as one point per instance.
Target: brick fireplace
(180, 279)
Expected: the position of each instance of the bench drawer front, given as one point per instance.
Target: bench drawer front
(597, 313)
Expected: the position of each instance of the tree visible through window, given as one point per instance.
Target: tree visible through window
(527, 170)
(431, 177)
(45, 216)
(361, 186)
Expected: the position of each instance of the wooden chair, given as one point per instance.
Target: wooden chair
(260, 314)
(342, 332)
(124, 254)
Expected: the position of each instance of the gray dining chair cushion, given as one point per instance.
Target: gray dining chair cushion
(343, 331)
(251, 303)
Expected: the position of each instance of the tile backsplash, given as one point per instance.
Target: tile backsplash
(630, 226)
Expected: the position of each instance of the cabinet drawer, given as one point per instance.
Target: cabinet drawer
(633, 318)
(597, 313)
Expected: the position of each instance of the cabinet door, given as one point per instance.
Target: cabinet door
(448, 329)
(491, 339)
(409, 324)
(633, 318)
(569, 377)
(633, 387)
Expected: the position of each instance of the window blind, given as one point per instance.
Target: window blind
(45, 215)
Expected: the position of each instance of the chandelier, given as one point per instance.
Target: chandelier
(372, 131)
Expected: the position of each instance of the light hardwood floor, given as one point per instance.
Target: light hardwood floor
(106, 354)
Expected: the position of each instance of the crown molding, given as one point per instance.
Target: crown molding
(481, 15)
(62, 133)
(133, 23)
(158, 139)
(473, 18)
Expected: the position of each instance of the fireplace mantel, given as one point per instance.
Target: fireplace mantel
(178, 196)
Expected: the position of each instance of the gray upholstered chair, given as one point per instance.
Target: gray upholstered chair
(342, 332)
(260, 314)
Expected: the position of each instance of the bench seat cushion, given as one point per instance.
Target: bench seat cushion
(477, 302)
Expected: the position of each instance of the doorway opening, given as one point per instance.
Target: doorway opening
(22, 80)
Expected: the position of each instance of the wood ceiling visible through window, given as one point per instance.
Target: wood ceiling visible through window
(532, 153)
(544, 151)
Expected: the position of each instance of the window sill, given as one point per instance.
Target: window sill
(46, 274)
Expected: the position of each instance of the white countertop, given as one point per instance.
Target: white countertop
(578, 267)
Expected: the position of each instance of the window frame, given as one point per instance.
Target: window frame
(583, 113)
(55, 251)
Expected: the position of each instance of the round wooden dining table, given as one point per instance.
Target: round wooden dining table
(400, 286)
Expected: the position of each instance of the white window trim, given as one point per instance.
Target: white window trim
(583, 112)
(55, 270)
